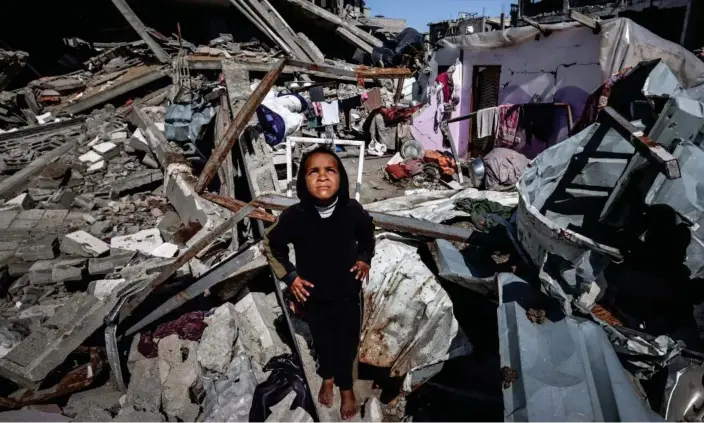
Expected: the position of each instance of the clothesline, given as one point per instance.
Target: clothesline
(566, 105)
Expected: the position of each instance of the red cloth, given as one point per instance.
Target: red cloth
(397, 171)
(190, 326)
(508, 124)
(397, 114)
(446, 81)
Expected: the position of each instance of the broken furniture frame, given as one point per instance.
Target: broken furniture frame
(291, 142)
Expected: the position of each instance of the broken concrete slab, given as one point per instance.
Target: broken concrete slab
(215, 349)
(139, 142)
(143, 241)
(136, 180)
(255, 334)
(166, 250)
(83, 244)
(104, 398)
(45, 349)
(90, 157)
(39, 249)
(139, 416)
(107, 265)
(96, 167)
(68, 270)
(7, 216)
(182, 376)
(107, 149)
(102, 289)
(144, 391)
(40, 272)
(21, 202)
(169, 225)
(52, 219)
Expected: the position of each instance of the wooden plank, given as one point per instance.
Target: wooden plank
(353, 39)
(237, 126)
(141, 30)
(586, 21)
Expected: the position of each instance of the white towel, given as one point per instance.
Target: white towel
(487, 121)
(331, 113)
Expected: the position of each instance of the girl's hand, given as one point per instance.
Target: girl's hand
(298, 287)
(362, 270)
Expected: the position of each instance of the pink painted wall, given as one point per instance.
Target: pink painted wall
(561, 68)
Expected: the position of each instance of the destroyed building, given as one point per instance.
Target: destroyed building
(140, 168)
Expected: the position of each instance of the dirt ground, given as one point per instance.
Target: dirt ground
(374, 186)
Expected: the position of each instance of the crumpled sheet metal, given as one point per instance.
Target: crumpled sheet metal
(567, 369)
(453, 267)
(438, 206)
(229, 398)
(408, 322)
(569, 262)
(644, 354)
(184, 122)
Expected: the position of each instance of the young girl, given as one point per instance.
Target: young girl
(333, 239)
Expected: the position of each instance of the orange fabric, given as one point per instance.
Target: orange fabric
(447, 164)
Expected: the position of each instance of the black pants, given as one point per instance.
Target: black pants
(335, 327)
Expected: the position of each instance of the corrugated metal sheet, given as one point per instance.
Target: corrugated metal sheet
(409, 324)
(565, 368)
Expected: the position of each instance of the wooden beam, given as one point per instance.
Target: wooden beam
(358, 72)
(235, 205)
(667, 164)
(337, 21)
(536, 25)
(353, 39)
(141, 30)
(246, 10)
(237, 126)
(586, 21)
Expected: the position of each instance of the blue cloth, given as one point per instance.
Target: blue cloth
(272, 124)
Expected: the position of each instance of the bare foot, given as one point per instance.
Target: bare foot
(325, 396)
(348, 409)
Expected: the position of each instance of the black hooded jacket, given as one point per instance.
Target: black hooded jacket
(325, 249)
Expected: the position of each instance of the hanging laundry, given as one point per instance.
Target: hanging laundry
(331, 113)
(508, 124)
(372, 99)
(487, 121)
(445, 79)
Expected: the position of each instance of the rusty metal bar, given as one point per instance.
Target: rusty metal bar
(196, 248)
(218, 274)
(667, 164)
(385, 221)
(235, 205)
(237, 126)
(358, 72)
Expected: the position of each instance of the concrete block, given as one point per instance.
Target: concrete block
(92, 413)
(166, 250)
(136, 180)
(143, 241)
(168, 225)
(104, 288)
(39, 249)
(16, 269)
(68, 270)
(90, 157)
(96, 167)
(149, 161)
(139, 142)
(104, 398)
(118, 136)
(100, 228)
(21, 202)
(41, 312)
(106, 265)
(182, 376)
(215, 349)
(63, 198)
(107, 149)
(254, 333)
(39, 194)
(83, 244)
(140, 416)
(144, 392)
(40, 272)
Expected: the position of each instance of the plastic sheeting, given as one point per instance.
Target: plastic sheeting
(229, 399)
(438, 206)
(408, 322)
(566, 369)
(623, 43)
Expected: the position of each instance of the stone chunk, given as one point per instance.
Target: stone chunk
(21, 202)
(166, 250)
(215, 349)
(118, 136)
(18, 268)
(40, 249)
(96, 167)
(100, 228)
(149, 161)
(93, 413)
(104, 398)
(90, 157)
(83, 244)
(144, 392)
(169, 225)
(104, 266)
(140, 416)
(143, 241)
(104, 288)
(107, 149)
(182, 376)
(136, 180)
(40, 272)
(139, 142)
(68, 270)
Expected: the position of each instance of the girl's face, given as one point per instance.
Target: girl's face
(322, 176)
